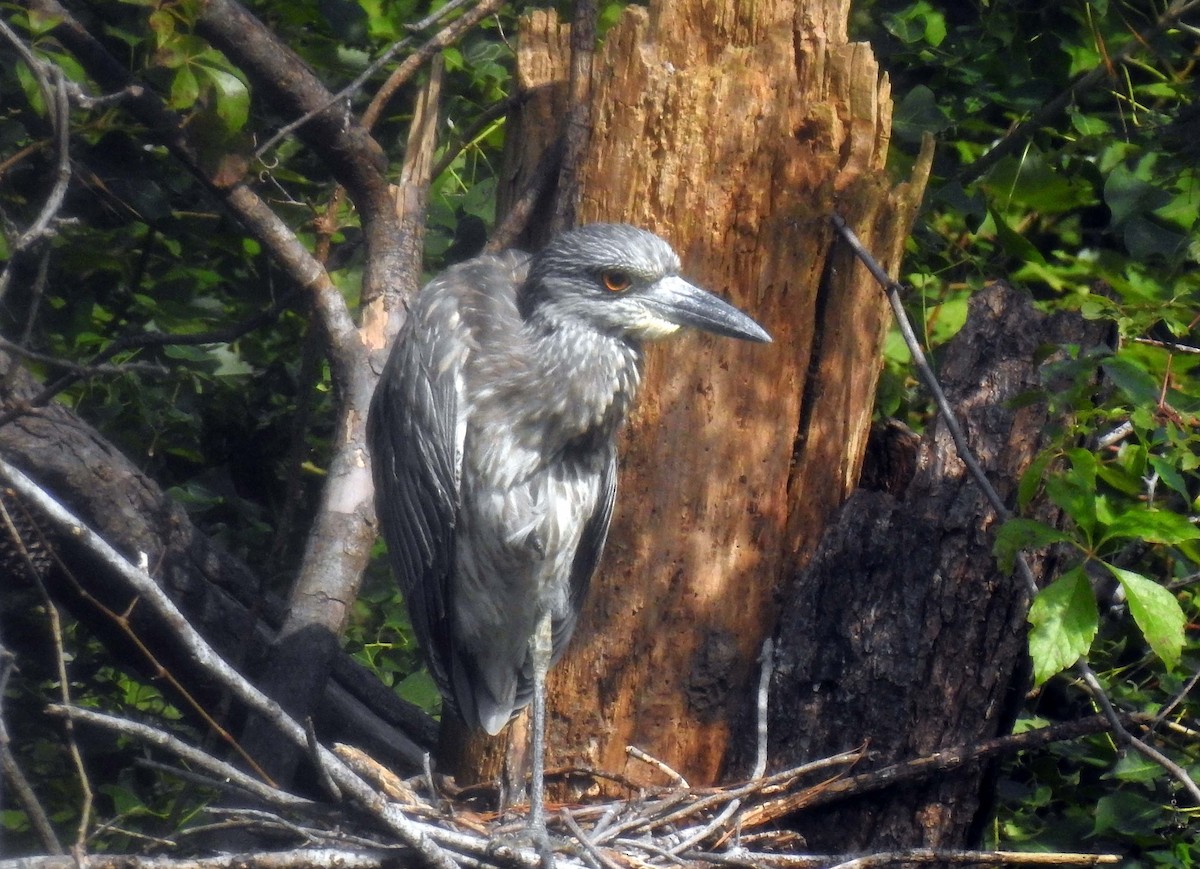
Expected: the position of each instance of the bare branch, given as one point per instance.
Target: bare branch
(676, 779)
(405, 71)
(300, 858)
(166, 742)
(424, 54)
(82, 372)
(976, 858)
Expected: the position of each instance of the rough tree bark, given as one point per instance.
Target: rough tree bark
(734, 135)
(901, 632)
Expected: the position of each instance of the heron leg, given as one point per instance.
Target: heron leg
(540, 649)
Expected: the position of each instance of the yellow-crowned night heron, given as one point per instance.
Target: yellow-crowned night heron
(493, 431)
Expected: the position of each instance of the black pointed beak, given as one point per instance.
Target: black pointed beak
(675, 300)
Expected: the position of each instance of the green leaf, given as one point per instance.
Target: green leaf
(421, 690)
(1127, 812)
(1170, 475)
(1018, 534)
(185, 89)
(1156, 612)
(1031, 480)
(1121, 478)
(1146, 238)
(1126, 194)
(1015, 244)
(1075, 491)
(1135, 768)
(1064, 622)
(233, 97)
(1152, 526)
(917, 114)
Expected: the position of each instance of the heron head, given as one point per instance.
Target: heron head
(623, 280)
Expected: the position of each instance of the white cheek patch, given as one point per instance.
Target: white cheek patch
(652, 328)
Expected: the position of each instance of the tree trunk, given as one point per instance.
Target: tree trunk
(901, 632)
(735, 136)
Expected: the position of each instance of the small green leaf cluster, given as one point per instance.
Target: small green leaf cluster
(381, 638)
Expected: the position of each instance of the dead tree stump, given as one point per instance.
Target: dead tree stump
(902, 632)
(734, 133)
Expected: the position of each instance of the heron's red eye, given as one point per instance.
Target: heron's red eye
(616, 281)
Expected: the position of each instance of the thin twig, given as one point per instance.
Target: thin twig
(895, 295)
(676, 779)
(408, 68)
(580, 836)
(314, 756)
(361, 79)
(121, 620)
(1125, 737)
(1173, 346)
(1115, 436)
(223, 335)
(83, 371)
(163, 740)
(64, 683)
(652, 848)
(1177, 699)
(767, 659)
(482, 121)
(58, 105)
(767, 663)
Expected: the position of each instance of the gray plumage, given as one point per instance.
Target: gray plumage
(493, 431)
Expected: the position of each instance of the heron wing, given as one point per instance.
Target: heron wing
(411, 431)
(415, 431)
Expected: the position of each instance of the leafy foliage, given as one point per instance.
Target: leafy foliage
(1067, 163)
(1095, 208)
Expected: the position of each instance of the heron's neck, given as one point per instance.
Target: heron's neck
(588, 380)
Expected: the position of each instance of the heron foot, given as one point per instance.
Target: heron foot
(534, 836)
